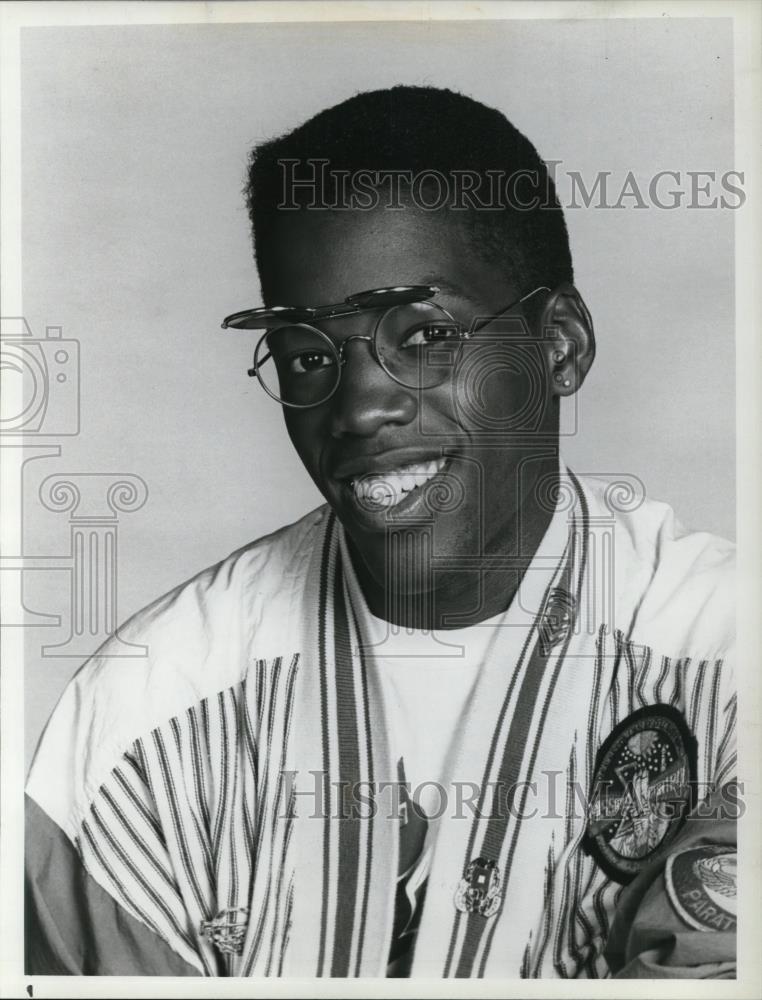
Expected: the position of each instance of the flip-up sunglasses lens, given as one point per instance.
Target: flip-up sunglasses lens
(267, 319)
(385, 298)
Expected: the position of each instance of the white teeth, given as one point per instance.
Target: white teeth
(381, 490)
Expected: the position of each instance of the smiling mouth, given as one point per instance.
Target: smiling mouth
(382, 490)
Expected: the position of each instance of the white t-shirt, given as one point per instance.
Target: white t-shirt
(427, 678)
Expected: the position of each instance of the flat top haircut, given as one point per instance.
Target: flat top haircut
(417, 130)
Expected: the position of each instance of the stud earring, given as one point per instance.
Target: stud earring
(558, 357)
(558, 377)
(567, 383)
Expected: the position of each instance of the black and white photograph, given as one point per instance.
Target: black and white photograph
(380, 428)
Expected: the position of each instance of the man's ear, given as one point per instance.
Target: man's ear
(568, 339)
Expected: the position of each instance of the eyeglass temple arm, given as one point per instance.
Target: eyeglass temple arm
(482, 323)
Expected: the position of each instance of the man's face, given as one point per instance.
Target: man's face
(459, 469)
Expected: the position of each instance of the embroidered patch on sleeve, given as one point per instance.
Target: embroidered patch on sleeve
(642, 790)
(701, 884)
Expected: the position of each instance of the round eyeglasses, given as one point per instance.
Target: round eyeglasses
(416, 342)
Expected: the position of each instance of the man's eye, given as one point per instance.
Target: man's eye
(431, 333)
(309, 361)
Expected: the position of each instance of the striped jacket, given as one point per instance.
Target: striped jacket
(217, 807)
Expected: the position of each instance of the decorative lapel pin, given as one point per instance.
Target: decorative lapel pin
(226, 930)
(479, 889)
(557, 619)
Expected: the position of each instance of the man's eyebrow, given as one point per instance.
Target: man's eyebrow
(447, 286)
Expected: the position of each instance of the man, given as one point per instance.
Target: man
(473, 717)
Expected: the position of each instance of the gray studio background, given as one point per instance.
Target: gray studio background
(135, 242)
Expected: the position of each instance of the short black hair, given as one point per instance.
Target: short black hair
(424, 129)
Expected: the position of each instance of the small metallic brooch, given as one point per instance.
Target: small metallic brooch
(227, 930)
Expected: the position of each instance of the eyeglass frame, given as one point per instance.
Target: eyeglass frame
(350, 306)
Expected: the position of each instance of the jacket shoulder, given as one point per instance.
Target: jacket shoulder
(675, 586)
(193, 642)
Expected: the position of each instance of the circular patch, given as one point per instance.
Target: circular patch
(701, 884)
(643, 785)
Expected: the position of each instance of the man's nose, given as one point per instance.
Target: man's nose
(368, 398)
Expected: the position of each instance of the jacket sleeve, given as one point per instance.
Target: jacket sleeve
(72, 926)
(109, 890)
(677, 919)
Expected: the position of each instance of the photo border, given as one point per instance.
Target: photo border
(747, 18)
